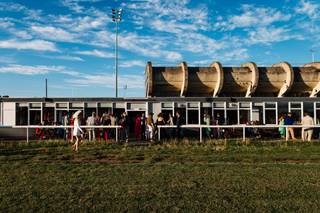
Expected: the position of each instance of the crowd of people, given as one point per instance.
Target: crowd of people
(144, 127)
(288, 119)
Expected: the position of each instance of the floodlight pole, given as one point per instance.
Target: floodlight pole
(116, 17)
(46, 86)
(313, 56)
(116, 59)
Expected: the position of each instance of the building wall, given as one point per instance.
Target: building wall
(9, 113)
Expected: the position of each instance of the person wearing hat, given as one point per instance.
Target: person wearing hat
(77, 131)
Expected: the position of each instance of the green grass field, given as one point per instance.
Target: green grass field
(172, 177)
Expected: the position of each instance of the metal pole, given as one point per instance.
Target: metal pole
(116, 59)
(46, 88)
(159, 136)
(244, 134)
(27, 134)
(200, 134)
(117, 139)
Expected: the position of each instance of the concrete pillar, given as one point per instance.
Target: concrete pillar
(220, 79)
(289, 77)
(316, 89)
(149, 80)
(254, 79)
(185, 76)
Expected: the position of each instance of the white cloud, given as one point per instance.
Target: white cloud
(65, 57)
(53, 33)
(31, 70)
(96, 53)
(151, 46)
(20, 33)
(7, 60)
(5, 23)
(199, 43)
(171, 10)
(133, 63)
(270, 35)
(37, 45)
(236, 55)
(251, 17)
(15, 7)
(132, 81)
(309, 8)
(172, 26)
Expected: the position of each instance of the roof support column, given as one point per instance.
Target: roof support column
(316, 89)
(185, 76)
(254, 78)
(220, 78)
(149, 80)
(289, 77)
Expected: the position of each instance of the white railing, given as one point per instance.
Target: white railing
(62, 127)
(196, 126)
(241, 126)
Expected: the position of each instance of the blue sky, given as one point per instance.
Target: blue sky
(71, 42)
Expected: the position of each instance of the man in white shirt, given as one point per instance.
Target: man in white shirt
(307, 131)
(91, 122)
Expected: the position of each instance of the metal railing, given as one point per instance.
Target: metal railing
(244, 127)
(64, 127)
(241, 126)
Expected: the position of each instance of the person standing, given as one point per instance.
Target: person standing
(289, 121)
(179, 123)
(113, 123)
(65, 122)
(143, 126)
(91, 122)
(307, 131)
(77, 131)
(282, 130)
(207, 121)
(170, 122)
(125, 126)
(137, 127)
(160, 122)
(149, 127)
(106, 121)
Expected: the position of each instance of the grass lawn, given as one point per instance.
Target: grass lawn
(172, 177)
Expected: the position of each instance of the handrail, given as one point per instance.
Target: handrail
(199, 126)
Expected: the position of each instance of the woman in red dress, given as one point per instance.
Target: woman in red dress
(137, 127)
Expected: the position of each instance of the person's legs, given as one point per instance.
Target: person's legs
(127, 133)
(151, 133)
(291, 133)
(90, 134)
(76, 144)
(310, 132)
(93, 135)
(304, 134)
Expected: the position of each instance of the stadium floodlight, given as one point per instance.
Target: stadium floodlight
(116, 18)
(312, 54)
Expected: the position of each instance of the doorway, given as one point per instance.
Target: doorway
(132, 115)
(232, 117)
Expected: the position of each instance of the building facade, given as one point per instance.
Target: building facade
(238, 95)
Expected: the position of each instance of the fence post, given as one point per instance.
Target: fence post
(159, 136)
(287, 134)
(200, 134)
(117, 139)
(27, 134)
(243, 133)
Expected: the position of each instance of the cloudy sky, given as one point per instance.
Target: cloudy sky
(71, 42)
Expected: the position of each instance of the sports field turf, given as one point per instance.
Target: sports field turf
(171, 177)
